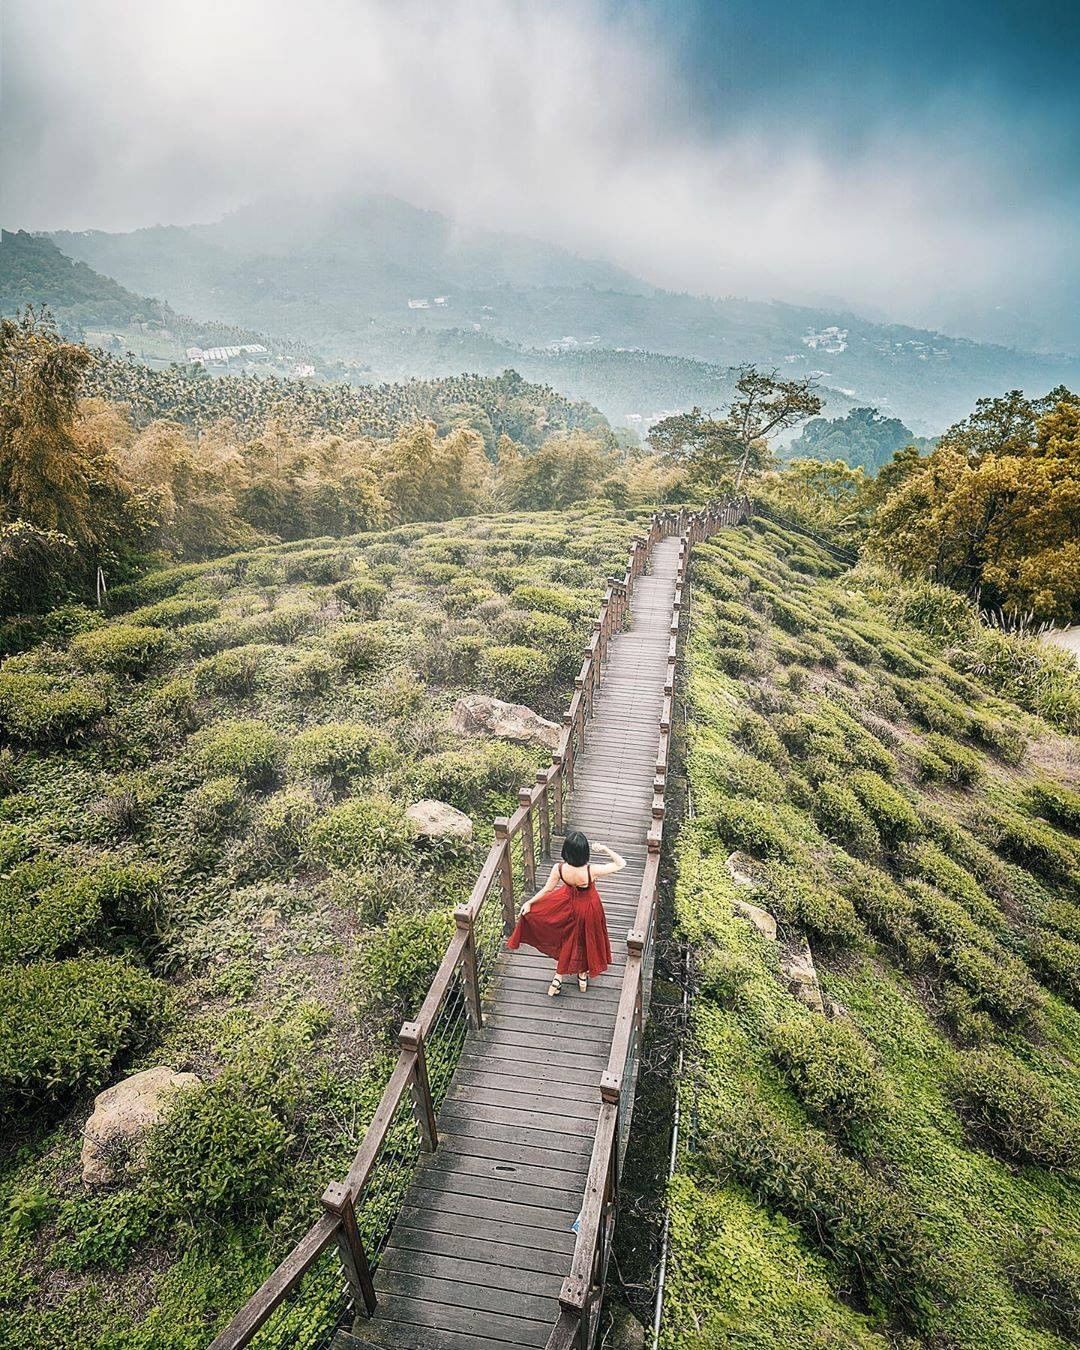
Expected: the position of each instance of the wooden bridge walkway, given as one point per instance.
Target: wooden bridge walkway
(478, 1211)
(478, 1256)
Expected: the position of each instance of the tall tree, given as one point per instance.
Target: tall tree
(721, 451)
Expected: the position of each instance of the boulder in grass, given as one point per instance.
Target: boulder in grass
(123, 1115)
(481, 715)
(440, 820)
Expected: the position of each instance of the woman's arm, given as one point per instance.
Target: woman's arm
(552, 883)
(616, 864)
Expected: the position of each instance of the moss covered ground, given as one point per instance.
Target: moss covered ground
(196, 793)
(903, 1169)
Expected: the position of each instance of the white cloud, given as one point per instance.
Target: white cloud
(552, 119)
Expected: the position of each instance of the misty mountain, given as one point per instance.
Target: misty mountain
(395, 290)
(33, 271)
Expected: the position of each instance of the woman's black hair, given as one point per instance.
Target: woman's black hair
(575, 849)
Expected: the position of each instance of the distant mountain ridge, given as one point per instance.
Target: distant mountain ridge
(388, 288)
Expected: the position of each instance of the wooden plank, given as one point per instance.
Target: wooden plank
(451, 1293)
(429, 1317)
(473, 1251)
(420, 1217)
(506, 1274)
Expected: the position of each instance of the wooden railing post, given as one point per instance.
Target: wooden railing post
(337, 1200)
(557, 821)
(411, 1038)
(543, 806)
(470, 974)
(528, 841)
(506, 873)
(568, 762)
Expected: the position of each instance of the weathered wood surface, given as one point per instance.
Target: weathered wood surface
(477, 1258)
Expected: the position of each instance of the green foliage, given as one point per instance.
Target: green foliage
(474, 780)
(803, 897)
(361, 832)
(1030, 843)
(1055, 803)
(42, 711)
(858, 1220)
(755, 733)
(218, 806)
(121, 649)
(1007, 1110)
(174, 613)
(63, 1025)
(840, 816)
(830, 1069)
(230, 674)
(889, 809)
(963, 767)
(94, 905)
(248, 750)
(395, 964)
(1050, 1276)
(517, 674)
(753, 827)
(1057, 960)
(548, 600)
(341, 752)
(215, 1155)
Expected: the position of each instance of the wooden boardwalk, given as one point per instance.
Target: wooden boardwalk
(478, 1255)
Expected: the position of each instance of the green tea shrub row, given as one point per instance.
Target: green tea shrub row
(1006, 1110)
(63, 1024)
(830, 1070)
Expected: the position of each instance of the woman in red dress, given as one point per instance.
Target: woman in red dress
(566, 919)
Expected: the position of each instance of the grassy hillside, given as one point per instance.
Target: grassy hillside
(193, 795)
(902, 1167)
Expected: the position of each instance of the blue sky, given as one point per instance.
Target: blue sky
(920, 161)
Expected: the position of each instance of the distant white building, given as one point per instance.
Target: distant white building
(831, 339)
(303, 370)
(420, 304)
(221, 356)
(440, 300)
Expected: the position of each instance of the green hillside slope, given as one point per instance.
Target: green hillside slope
(195, 796)
(900, 1165)
(33, 271)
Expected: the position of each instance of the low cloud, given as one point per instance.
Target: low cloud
(571, 122)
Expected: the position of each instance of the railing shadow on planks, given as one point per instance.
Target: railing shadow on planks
(359, 1211)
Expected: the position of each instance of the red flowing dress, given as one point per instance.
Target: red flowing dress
(567, 924)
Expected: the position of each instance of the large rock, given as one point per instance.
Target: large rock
(478, 714)
(122, 1116)
(440, 820)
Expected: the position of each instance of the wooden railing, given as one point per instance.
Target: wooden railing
(405, 1121)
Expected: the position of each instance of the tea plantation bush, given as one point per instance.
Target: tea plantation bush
(63, 1024)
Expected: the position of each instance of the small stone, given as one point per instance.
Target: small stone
(762, 920)
(123, 1114)
(742, 869)
(797, 963)
(440, 820)
(478, 714)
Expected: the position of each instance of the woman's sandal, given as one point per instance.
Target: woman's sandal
(555, 987)
(583, 983)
